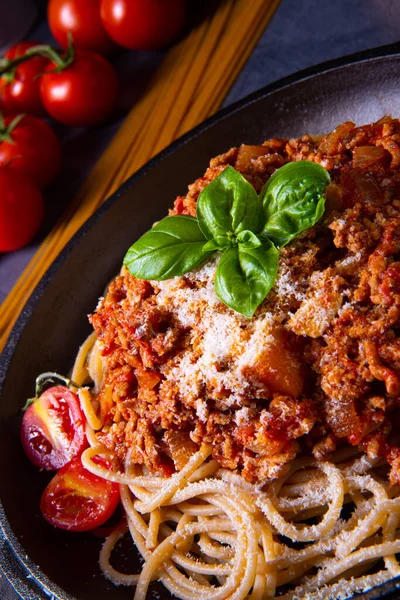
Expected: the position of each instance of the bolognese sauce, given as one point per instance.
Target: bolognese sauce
(319, 363)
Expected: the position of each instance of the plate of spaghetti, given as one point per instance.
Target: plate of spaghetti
(225, 422)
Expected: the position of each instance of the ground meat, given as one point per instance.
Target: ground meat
(317, 366)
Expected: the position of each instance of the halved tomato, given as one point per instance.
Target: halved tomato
(53, 429)
(77, 500)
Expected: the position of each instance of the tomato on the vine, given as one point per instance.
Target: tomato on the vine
(143, 24)
(29, 145)
(77, 500)
(80, 18)
(19, 88)
(53, 428)
(21, 209)
(81, 94)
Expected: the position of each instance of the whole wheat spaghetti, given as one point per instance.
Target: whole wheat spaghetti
(208, 534)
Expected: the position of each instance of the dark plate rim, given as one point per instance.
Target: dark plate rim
(8, 540)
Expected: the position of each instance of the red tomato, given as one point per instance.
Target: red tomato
(53, 429)
(82, 19)
(77, 500)
(34, 149)
(21, 209)
(19, 91)
(143, 24)
(82, 94)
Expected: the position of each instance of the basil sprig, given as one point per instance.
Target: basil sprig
(246, 228)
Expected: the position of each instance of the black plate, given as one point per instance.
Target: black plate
(361, 88)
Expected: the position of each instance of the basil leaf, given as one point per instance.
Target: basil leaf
(248, 239)
(229, 203)
(245, 276)
(172, 247)
(221, 242)
(293, 200)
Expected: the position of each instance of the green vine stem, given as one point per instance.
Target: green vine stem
(6, 131)
(60, 59)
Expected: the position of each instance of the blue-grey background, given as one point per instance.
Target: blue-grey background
(302, 33)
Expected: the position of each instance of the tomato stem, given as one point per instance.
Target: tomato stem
(50, 379)
(28, 403)
(6, 131)
(8, 77)
(61, 59)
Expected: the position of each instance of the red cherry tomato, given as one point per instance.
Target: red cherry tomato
(82, 94)
(82, 19)
(143, 24)
(21, 209)
(34, 149)
(53, 429)
(19, 91)
(77, 500)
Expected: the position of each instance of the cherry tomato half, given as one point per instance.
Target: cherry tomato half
(77, 500)
(34, 149)
(19, 91)
(82, 94)
(21, 209)
(82, 19)
(53, 429)
(143, 24)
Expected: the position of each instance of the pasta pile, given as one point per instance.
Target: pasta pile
(324, 530)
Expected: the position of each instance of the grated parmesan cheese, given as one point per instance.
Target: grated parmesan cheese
(286, 285)
(243, 415)
(222, 342)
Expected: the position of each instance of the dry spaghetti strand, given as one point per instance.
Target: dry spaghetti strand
(190, 85)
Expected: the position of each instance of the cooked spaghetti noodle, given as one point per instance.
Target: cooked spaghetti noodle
(206, 533)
